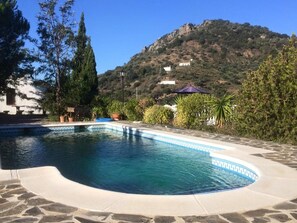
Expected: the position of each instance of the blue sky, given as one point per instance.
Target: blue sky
(121, 28)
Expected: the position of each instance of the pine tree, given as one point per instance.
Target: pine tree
(81, 43)
(84, 76)
(14, 58)
(89, 75)
(267, 105)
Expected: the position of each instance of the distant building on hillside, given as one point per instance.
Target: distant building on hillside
(22, 99)
(167, 69)
(167, 82)
(185, 64)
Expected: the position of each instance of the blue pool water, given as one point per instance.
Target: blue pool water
(120, 162)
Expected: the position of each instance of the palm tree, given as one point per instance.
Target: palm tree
(222, 109)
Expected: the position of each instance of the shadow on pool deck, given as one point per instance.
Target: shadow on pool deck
(21, 119)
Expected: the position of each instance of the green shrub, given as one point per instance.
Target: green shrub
(266, 106)
(132, 110)
(158, 114)
(145, 103)
(100, 106)
(53, 118)
(98, 111)
(115, 107)
(193, 111)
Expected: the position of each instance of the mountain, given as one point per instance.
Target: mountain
(215, 55)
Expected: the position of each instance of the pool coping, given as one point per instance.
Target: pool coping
(267, 191)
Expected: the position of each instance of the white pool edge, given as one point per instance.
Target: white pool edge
(267, 191)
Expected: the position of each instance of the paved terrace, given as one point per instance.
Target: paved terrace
(20, 205)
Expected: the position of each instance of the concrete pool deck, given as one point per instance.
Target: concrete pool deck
(274, 191)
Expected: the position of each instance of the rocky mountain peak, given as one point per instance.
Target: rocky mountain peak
(182, 31)
(178, 33)
(185, 29)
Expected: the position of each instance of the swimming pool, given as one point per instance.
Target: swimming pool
(267, 190)
(124, 160)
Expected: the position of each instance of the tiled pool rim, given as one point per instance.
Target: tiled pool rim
(267, 190)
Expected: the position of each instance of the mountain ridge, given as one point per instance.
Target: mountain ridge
(218, 54)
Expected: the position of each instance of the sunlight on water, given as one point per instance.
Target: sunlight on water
(119, 162)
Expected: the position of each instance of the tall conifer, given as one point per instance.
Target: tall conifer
(89, 75)
(81, 43)
(84, 76)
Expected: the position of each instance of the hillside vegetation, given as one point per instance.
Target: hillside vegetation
(220, 54)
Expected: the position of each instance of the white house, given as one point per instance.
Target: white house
(22, 99)
(167, 69)
(167, 82)
(185, 64)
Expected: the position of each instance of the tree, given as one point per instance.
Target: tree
(267, 105)
(81, 44)
(222, 109)
(55, 30)
(84, 75)
(15, 60)
(89, 76)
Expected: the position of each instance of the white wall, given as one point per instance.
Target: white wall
(184, 64)
(167, 82)
(167, 69)
(25, 86)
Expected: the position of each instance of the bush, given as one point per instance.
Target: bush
(267, 101)
(53, 118)
(116, 107)
(132, 110)
(193, 111)
(100, 105)
(145, 103)
(158, 114)
(98, 111)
